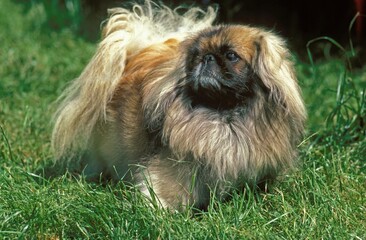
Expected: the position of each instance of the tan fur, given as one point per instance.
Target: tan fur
(126, 113)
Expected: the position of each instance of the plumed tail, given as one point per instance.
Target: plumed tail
(126, 32)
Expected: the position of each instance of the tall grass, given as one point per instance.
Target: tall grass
(60, 14)
(346, 121)
(325, 199)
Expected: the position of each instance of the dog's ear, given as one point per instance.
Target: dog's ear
(275, 69)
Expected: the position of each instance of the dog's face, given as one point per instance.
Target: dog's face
(219, 67)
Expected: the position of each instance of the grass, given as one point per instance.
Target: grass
(325, 199)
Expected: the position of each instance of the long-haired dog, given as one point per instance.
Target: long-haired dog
(181, 108)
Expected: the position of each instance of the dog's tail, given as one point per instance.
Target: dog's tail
(126, 32)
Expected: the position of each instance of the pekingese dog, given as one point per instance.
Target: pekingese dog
(180, 108)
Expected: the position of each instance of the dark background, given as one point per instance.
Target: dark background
(298, 21)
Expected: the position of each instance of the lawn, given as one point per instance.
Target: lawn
(325, 198)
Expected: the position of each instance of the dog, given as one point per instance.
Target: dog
(182, 108)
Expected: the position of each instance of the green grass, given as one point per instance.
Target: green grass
(326, 198)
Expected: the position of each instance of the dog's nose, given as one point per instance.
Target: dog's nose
(209, 58)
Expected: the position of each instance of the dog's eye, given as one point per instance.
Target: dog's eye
(232, 56)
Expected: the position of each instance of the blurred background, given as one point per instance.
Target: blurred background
(298, 21)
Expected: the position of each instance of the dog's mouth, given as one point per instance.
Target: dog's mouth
(211, 89)
(213, 97)
(209, 92)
